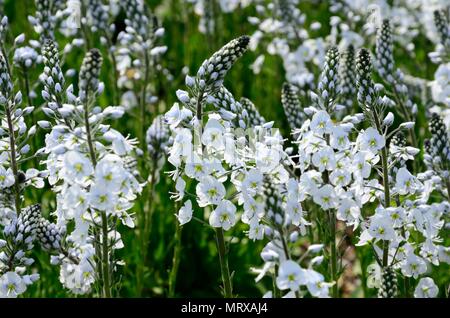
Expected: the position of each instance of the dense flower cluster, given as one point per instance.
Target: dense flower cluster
(342, 185)
(87, 167)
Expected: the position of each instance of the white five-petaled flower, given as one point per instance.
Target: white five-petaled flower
(405, 182)
(224, 215)
(102, 198)
(77, 166)
(325, 197)
(381, 228)
(321, 122)
(6, 178)
(371, 140)
(413, 266)
(209, 191)
(212, 136)
(426, 288)
(324, 159)
(290, 276)
(11, 285)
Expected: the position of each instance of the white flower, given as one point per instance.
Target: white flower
(319, 288)
(210, 191)
(75, 199)
(339, 138)
(109, 175)
(224, 215)
(252, 182)
(325, 197)
(290, 276)
(213, 135)
(381, 228)
(348, 211)
(11, 285)
(176, 115)
(120, 145)
(426, 288)
(6, 178)
(324, 159)
(405, 182)
(102, 198)
(340, 177)
(77, 167)
(253, 211)
(414, 266)
(197, 168)
(321, 122)
(371, 140)
(185, 214)
(295, 212)
(360, 167)
(256, 231)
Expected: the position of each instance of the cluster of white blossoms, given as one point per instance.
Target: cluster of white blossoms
(405, 206)
(138, 54)
(221, 150)
(19, 225)
(219, 155)
(340, 175)
(88, 168)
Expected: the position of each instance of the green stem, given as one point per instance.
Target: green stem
(175, 260)
(29, 103)
(105, 257)
(387, 198)
(387, 195)
(104, 244)
(13, 156)
(226, 278)
(333, 254)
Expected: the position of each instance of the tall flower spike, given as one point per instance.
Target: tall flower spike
(49, 235)
(211, 73)
(384, 52)
(274, 206)
(98, 15)
(6, 84)
(348, 76)
(43, 22)
(388, 286)
(367, 97)
(137, 17)
(254, 117)
(229, 107)
(90, 73)
(291, 106)
(440, 146)
(329, 79)
(442, 26)
(53, 77)
(158, 139)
